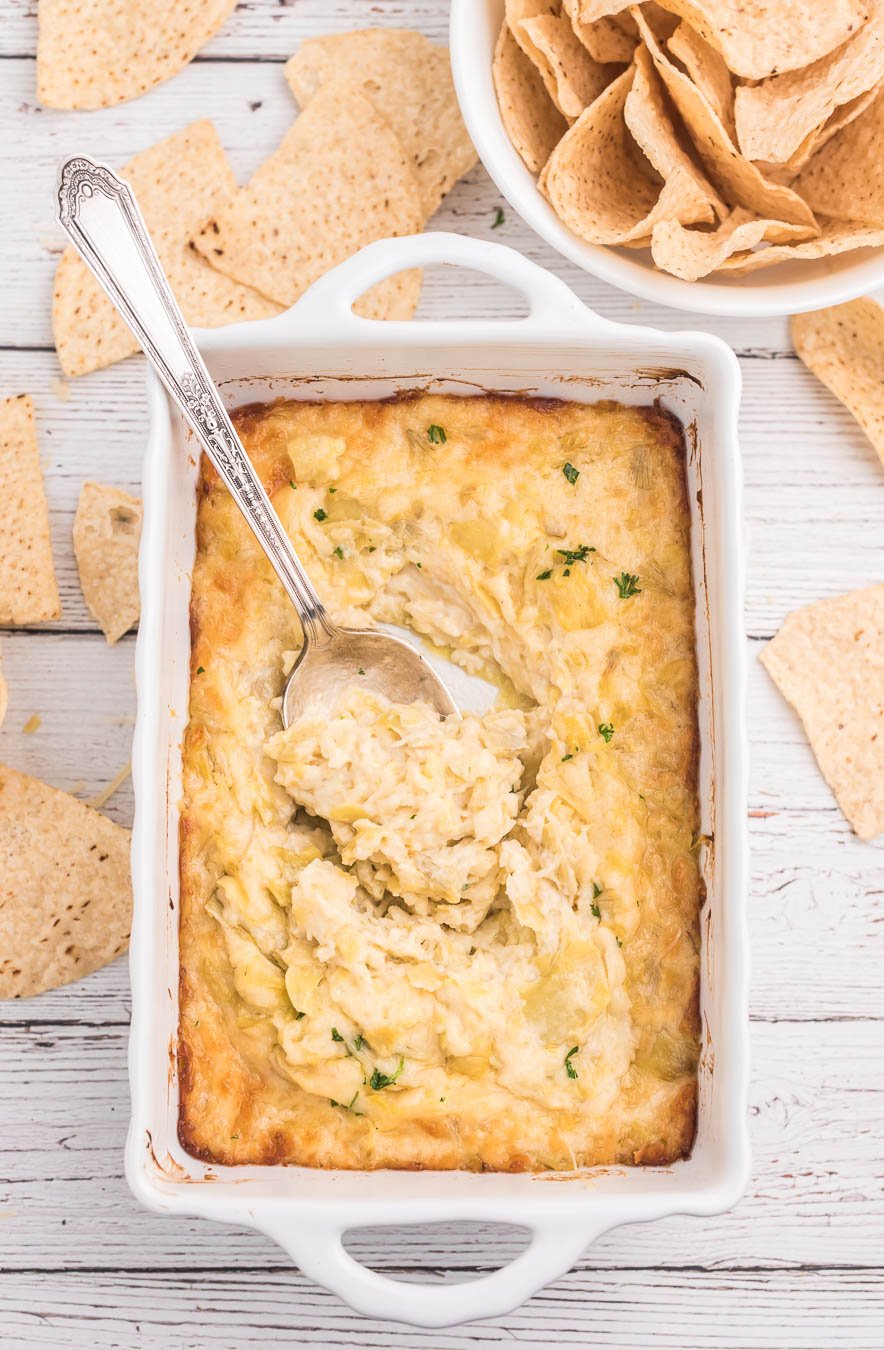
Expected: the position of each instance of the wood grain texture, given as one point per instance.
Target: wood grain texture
(797, 1264)
(815, 887)
(252, 108)
(661, 1310)
(814, 505)
(814, 1106)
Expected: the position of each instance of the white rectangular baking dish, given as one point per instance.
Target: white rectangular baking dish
(321, 349)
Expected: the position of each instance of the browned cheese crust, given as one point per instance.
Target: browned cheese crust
(395, 525)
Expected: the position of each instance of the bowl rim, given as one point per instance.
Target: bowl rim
(473, 28)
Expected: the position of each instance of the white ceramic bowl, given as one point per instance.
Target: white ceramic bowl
(320, 349)
(786, 288)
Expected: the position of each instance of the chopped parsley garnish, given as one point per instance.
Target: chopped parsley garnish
(358, 1042)
(596, 890)
(331, 489)
(569, 1067)
(293, 485)
(595, 911)
(626, 585)
(436, 434)
(544, 576)
(347, 1106)
(361, 670)
(575, 555)
(320, 515)
(339, 552)
(619, 941)
(299, 1016)
(571, 473)
(372, 548)
(234, 1136)
(565, 758)
(498, 219)
(606, 730)
(380, 1080)
(200, 670)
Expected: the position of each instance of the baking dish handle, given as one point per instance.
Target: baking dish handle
(320, 1253)
(328, 303)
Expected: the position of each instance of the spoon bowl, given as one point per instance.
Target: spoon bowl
(371, 660)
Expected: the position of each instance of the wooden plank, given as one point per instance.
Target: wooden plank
(815, 1108)
(814, 515)
(681, 1310)
(815, 890)
(815, 887)
(252, 109)
(814, 509)
(84, 694)
(263, 29)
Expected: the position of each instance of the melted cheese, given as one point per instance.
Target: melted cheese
(423, 943)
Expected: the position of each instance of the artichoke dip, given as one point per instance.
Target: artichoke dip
(415, 942)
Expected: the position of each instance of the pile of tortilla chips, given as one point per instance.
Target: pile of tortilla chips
(723, 135)
(379, 142)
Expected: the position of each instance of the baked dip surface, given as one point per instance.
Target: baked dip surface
(414, 943)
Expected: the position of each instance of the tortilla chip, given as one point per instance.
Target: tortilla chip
(65, 894)
(828, 661)
(179, 183)
(604, 188)
(790, 168)
(93, 53)
(738, 181)
(758, 38)
(588, 11)
(606, 40)
(844, 347)
(531, 119)
(660, 21)
(708, 71)
(28, 592)
(835, 236)
(573, 79)
(846, 178)
(648, 118)
(691, 254)
(408, 80)
(776, 116)
(338, 180)
(107, 531)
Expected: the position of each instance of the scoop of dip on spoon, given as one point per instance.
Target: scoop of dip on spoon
(101, 216)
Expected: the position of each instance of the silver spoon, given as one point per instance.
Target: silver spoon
(99, 212)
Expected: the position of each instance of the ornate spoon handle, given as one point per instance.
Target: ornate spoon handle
(99, 212)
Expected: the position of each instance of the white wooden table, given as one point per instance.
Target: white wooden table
(800, 1262)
